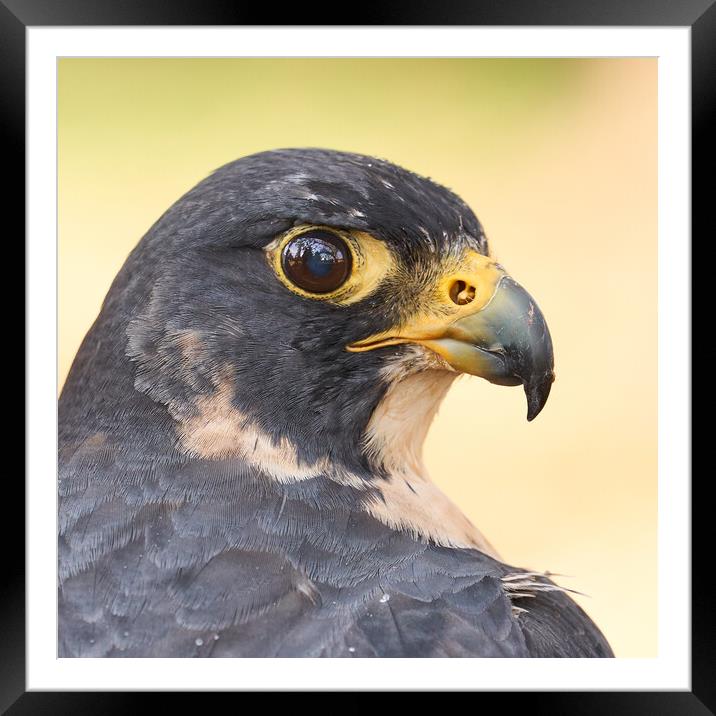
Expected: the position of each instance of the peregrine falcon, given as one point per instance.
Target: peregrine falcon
(240, 433)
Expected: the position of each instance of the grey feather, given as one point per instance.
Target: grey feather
(152, 580)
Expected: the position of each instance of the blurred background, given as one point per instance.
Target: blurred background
(557, 157)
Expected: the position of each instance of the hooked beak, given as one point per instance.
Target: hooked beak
(488, 326)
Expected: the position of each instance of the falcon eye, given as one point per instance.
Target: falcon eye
(323, 263)
(317, 261)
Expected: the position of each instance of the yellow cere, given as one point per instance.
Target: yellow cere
(372, 261)
(437, 309)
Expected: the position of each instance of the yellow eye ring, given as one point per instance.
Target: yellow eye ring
(363, 264)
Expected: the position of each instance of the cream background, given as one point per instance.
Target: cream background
(558, 160)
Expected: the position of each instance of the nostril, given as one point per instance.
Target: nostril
(462, 293)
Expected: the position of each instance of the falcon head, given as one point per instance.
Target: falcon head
(291, 291)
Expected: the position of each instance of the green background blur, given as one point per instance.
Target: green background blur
(558, 160)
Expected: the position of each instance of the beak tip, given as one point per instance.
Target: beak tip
(537, 393)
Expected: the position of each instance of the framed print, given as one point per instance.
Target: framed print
(245, 393)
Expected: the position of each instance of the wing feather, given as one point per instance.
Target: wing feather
(199, 558)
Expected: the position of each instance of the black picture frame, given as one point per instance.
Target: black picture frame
(17, 15)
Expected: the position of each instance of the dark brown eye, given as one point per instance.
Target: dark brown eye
(317, 261)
